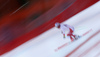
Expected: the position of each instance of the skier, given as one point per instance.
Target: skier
(66, 28)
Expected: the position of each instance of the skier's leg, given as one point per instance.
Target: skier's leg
(71, 33)
(72, 39)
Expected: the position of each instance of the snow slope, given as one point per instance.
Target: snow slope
(52, 44)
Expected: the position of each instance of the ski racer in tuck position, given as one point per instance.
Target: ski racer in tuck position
(66, 28)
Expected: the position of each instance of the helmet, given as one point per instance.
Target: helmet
(57, 24)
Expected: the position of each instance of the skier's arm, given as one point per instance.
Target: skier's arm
(63, 34)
